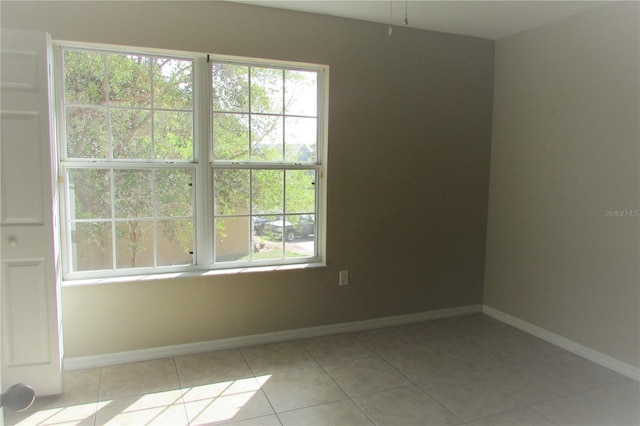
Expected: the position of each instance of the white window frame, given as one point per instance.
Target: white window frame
(203, 166)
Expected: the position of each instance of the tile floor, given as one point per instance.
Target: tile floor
(470, 370)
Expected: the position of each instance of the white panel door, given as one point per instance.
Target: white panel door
(29, 257)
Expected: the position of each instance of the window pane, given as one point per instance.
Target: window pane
(134, 244)
(89, 194)
(267, 90)
(300, 139)
(131, 133)
(232, 239)
(230, 87)
(174, 193)
(300, 191)
(300, 235)
(266, 138)
(91, 246)
(290, 228)
(86, 131)
(297, 232)
(231, 137)
(129, 80)
(175, 242)
(172, 83)
(267, 191)
(272, 231)
(232, 193)
(134, 196)
(260, 222)
(267, 243)
(173, 135)
(84, 81)
(301, 93)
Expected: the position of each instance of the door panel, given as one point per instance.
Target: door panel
(21, 149)
(29, 286)
(20, 71)
(28, 336)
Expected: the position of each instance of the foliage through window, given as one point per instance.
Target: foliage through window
(155, 181)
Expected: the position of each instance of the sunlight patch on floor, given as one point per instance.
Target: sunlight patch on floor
(209, 403)
(223, 401)
(71, 415)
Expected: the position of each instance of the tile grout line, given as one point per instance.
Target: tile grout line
(506, 388)
(322, 367)
(184, 405)
(95, 410)
(511, 411)
(349, 397)
(542, 414)
(253, 374)
(413, 383)
(508, 392)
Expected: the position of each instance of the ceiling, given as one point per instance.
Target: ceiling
(486, 19)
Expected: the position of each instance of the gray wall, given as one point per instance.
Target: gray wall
(409, 141)
(564, 159)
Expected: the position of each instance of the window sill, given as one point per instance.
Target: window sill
(200, 273)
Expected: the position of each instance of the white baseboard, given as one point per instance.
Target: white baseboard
(93, 361)
(564, 343)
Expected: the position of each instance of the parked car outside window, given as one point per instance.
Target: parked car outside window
(294, 227)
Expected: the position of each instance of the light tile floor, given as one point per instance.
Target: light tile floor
(470, 370)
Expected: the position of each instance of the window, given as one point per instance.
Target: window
(187, 162)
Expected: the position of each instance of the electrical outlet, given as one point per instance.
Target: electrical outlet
(344, 277)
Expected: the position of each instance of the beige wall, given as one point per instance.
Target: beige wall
(409, 135)
(564, 159)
